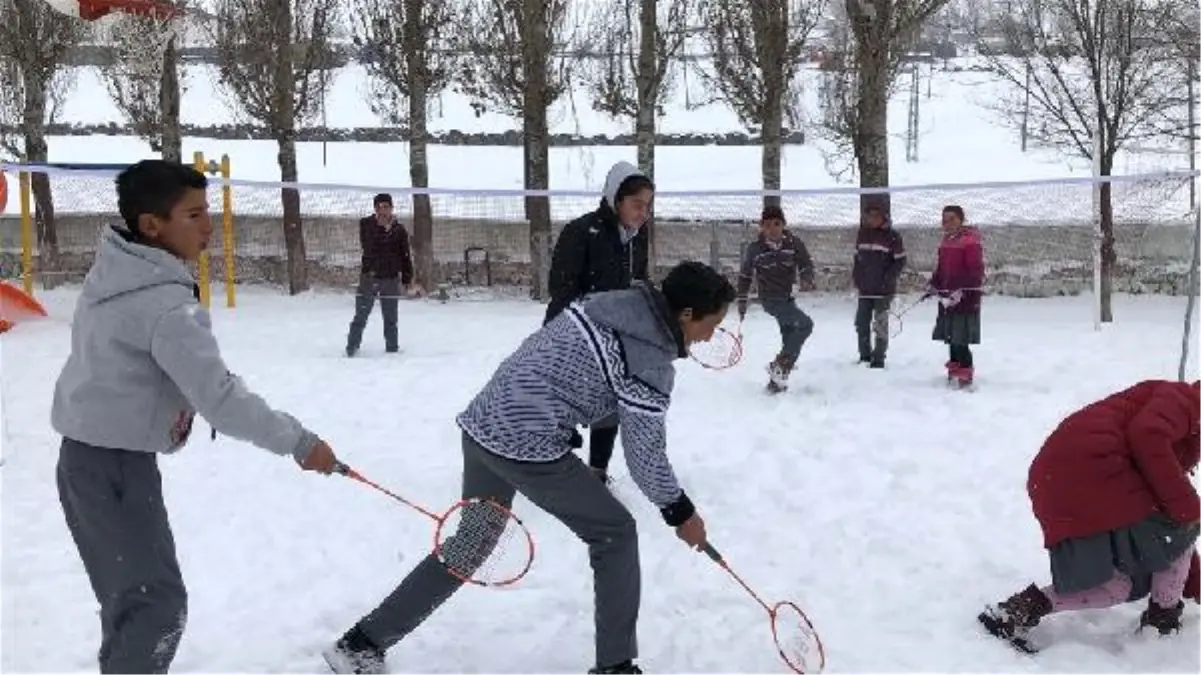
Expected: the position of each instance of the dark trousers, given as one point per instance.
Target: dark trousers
(388, 292)
(567, 490)
(961, 354)
(871, 318)
(795, 326)
(113, 504)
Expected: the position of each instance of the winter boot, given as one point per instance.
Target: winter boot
(623, 667)
(952, 369)
(1166, 620)
(865, 348)
(355, 653)
(963, 376)
(1011, 620)
(778, 372)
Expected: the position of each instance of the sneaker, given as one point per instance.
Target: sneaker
(1166, 620)
(623, 667)
(354, 653)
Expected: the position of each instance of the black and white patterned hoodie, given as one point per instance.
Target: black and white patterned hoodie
(608, 353)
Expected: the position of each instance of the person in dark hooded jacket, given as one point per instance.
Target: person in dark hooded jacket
(879, 261)
(604, 250)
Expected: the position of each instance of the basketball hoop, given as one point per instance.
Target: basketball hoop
(91, 10)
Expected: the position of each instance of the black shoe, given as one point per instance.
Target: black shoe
(391, 350)
(602, 475)
(355, 654)
(876, 363)
(351, 352)
(1166, 620)
(623, 667)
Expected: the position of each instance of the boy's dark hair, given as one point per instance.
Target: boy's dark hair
(632, 185)
(696, 286)
(772, 212)
(154, 186)
(957, 210)
(382, 198)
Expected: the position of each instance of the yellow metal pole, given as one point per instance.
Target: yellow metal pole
(204, 281)
(23, 189)
(227, 232)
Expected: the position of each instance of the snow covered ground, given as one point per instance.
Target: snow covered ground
(887, 506)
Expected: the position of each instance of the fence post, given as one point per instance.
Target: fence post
(227, 233)
(205, 281)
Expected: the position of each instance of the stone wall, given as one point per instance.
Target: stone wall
(1025, 260)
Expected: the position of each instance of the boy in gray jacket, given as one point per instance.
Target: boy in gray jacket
(143, 362)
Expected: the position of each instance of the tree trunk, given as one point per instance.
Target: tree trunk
(169, 95)
(771, 136)
(419, 175)
(297, 264)
(871, 136)
(1109, 255)
(647, 81)
(537, 153)
(38, 152)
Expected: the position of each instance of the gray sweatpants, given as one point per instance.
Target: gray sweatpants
(113, 503)
(569, 491)
(795, 325)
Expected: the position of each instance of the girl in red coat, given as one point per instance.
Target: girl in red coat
(1111, 490)
(957, 279)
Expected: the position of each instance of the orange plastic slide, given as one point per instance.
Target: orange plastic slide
(16, 306)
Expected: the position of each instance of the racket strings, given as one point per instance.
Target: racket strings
(797, 640)
(483, 542)
(723, 350)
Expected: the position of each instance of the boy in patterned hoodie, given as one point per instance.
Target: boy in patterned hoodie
(776, 260)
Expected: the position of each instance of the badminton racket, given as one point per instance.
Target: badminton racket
(477, 540)
(795, 637)
(723, 350)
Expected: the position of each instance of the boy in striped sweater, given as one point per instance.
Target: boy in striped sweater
(608, 354)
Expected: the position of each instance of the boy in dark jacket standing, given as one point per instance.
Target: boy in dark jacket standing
(879, 260)
(776, 260)
(143, 362)
(605, 250)
(387, 266)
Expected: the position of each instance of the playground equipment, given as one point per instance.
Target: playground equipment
(219, 169)
(16, 306)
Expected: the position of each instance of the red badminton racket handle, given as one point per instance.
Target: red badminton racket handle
(350, 473)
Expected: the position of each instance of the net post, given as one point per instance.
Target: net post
(227, 232)
(1098, 235)
(23, 192)
(205, 282)
(1191, 304)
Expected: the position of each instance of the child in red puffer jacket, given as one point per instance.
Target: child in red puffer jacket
(1119, 515)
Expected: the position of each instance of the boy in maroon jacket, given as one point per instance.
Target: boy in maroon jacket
(1119, 515)
(957, 282)
(387, 265)
(879, 260)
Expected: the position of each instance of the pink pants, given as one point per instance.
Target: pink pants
(1167, 587)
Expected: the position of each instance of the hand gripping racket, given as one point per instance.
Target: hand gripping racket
(795, 637)
(723, 350)
(479, 541)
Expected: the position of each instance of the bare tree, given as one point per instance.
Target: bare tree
(144, 80)
(758, 49)
(513, 62)
(1095, 72)
(859, 78)
(34, 41)
(407, 48)
(272, 56)
(638, 41)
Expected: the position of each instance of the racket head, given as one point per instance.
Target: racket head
(722, 351)
(482, 542)
(796, 639)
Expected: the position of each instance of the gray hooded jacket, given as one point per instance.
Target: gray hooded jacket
(144, 360)
(609, 353)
